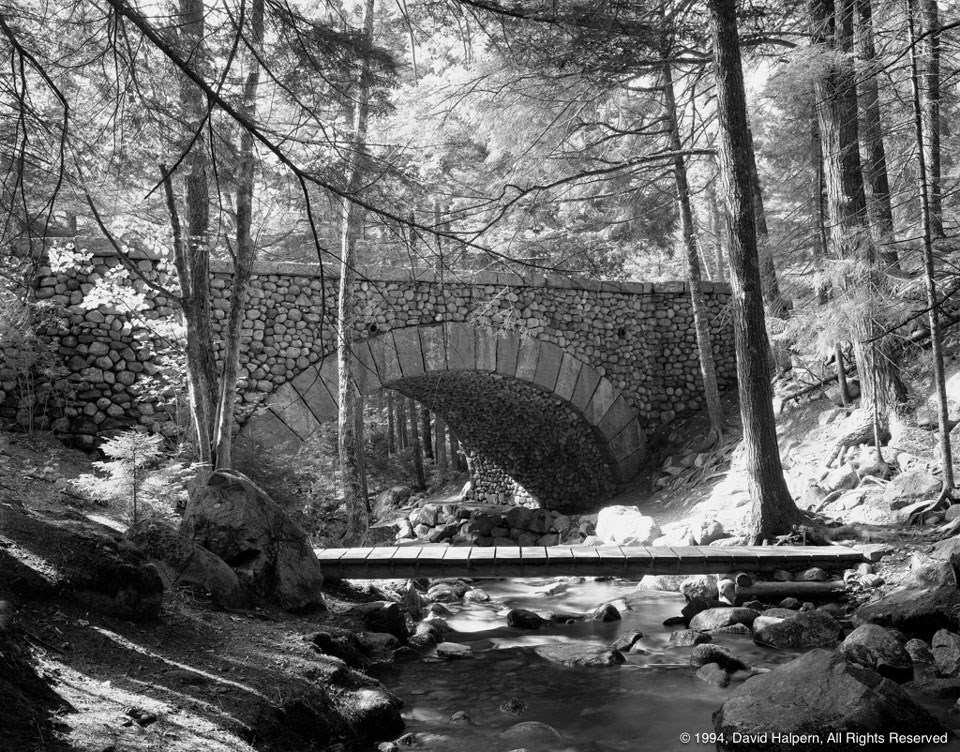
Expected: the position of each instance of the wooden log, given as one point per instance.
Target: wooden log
(803, 590)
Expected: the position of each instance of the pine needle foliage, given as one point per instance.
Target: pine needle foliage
(137, 475)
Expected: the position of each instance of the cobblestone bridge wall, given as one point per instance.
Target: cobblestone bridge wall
(564, 376)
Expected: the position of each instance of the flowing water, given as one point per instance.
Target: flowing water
(647, 704)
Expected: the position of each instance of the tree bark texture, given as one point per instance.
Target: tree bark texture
(245, 254)
(415, 445)
(440, 442)
(348, 443)
(701, 322)
(850, 237)
(426, 433)
(193, 270)
(874, 156)
(773, 509)
(930, 104)
(768, 271)
(933, 311)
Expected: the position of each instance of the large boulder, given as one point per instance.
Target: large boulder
(811, 702)
(878, 649)
(387, 504)
(234, 518)
(945, 647)
(76, 558)
(717, 618)
(626, 526)
(182, 561)
(911, 486)
(927, 601)
(808, 629)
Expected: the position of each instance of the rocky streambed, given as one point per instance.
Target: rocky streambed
(589, 666)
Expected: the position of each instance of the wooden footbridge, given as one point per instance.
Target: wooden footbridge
(404, 562)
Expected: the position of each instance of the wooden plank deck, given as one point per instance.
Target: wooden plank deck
(389, 562)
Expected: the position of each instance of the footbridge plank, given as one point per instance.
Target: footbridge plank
(388, 562)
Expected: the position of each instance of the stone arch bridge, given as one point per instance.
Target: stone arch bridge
(551, 382)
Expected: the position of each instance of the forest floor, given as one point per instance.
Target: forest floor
(204, 678)
(197, 678)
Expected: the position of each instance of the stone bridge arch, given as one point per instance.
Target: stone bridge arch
(527, 408)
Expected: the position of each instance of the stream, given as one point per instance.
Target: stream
(645, 704)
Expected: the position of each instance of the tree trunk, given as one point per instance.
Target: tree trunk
(402, 436)
(933, 312)
(850, 236)
(930, 103)
(440, 441)
(768, 272)
(415, 446)
(457, 459)
(701, 323)
(773, 509)
(819, 212)
(876, 183)
(427, 434)
(391, 425)
(193, 264)
(717, 230)
(351, 472)
(246, 252)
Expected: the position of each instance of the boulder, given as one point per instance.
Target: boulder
(340, 644)
(878, 649)
(841, 478)
(606, 612)
(808, 629)
(531, 732)
(717, 618)
(927, 601)
(88, 562)
(580, 654)
(919, 651)
(625, 642)
(181, 561)
(817, 694)
(453, 651)
(387, 504)
(685, 638)
(707, 653)
(946, 653)
(910, 487)
(524, 619)
(698, 586)
(383, 616)
(713, 673)
(271, 555)
(710, 531)
(626, 526)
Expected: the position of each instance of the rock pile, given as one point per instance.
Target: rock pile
(471, 525)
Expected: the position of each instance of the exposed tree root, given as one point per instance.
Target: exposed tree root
(862, 434)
